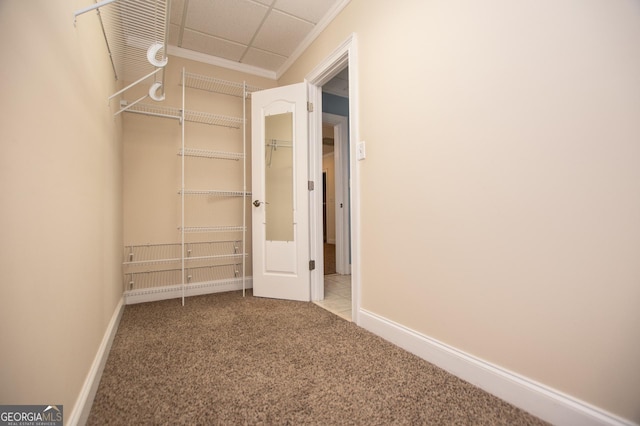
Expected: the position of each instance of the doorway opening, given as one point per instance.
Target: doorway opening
(337, 294)
(342, 59)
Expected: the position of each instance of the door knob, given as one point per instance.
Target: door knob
(257, 203)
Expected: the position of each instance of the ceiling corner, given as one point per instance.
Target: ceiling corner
(310, 38)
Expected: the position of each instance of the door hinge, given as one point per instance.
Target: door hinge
(312, 265)
(311, 185)
(310, 106)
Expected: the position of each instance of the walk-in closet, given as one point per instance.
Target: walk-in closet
(204, 245)
(186, 171)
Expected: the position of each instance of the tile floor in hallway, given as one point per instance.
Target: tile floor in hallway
(337, 295)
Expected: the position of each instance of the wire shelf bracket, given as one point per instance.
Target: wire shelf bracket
(135, 32)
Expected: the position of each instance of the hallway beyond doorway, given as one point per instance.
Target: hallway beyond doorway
(337, 295)
(329, 259)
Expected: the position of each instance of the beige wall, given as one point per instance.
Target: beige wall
(504, 139)
(60, 220)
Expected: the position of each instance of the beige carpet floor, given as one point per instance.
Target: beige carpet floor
(227, 360)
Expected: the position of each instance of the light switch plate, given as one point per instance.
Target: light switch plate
(361, 153)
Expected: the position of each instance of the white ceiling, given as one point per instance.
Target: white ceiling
(263, 36)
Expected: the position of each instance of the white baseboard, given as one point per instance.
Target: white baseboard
(175, 291)
(540, 400)
(82, 407)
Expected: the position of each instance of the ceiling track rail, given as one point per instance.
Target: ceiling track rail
(135, 32)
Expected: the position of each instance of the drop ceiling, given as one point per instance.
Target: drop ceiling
(259, 36)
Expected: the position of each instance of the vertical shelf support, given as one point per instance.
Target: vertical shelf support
(182, 186)
(155, 267)
(244, 181)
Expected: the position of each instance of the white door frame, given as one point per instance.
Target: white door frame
(343, 56)
(341, 167)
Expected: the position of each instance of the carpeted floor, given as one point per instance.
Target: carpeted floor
(224, 359)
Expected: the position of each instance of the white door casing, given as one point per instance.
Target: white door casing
(280, 220)
(346, 54)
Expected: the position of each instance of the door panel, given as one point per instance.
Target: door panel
(280, 224)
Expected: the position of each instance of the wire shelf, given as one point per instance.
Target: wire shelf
(155, 110)
(216, 85)
(151, 279)
(152, 253)
(190, 229)
(215, 193)
(213, 273)
(213, 119)
(167, 277)
(210, 248)
(130, 28)
(203, 153)
(148, 254)
(192, 116)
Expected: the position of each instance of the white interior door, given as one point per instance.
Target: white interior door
(280, 220)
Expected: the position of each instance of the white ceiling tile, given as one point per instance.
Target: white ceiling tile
(212, 46)
(262, 33)
(281, 33)
(311, 10)
(175, 14)
(266, 60)
(235, 20)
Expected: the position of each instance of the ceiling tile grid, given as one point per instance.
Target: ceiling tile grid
(262, 59)
(213, 46)
(281, 33)
(220, 18)
(312, 11)
(260, 33)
